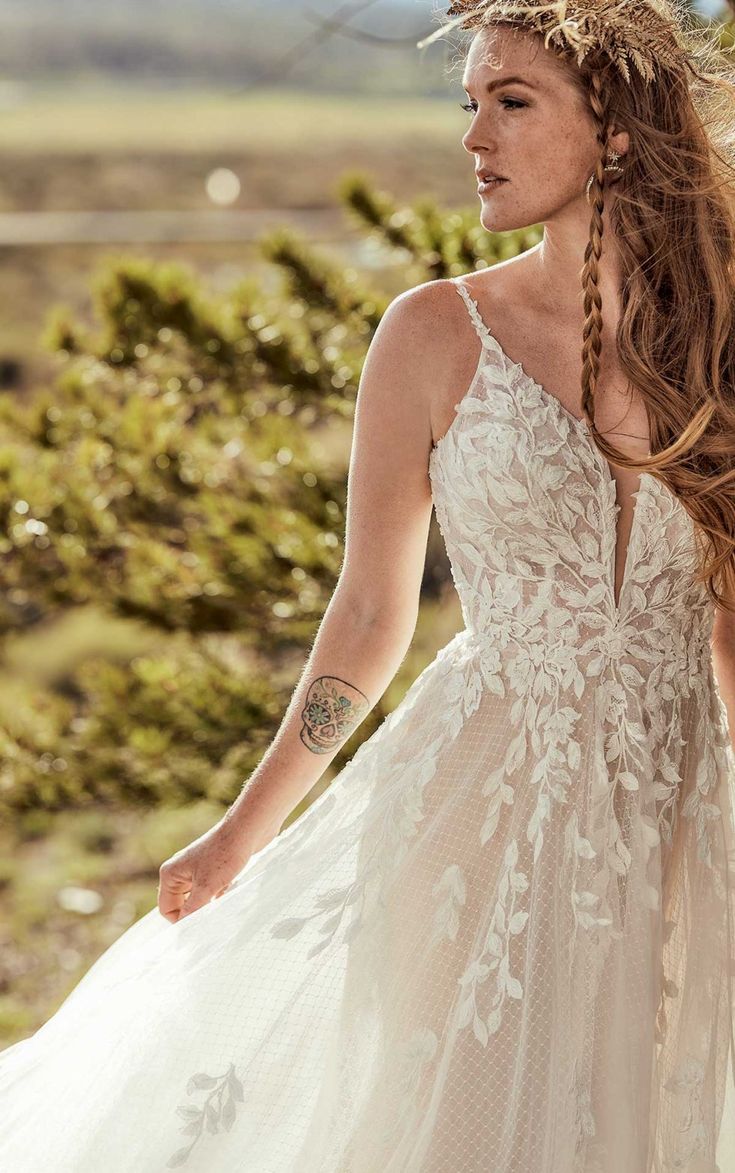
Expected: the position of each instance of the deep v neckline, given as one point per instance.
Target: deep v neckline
(581, 427)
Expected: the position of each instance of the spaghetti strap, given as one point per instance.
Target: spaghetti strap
(481, 329)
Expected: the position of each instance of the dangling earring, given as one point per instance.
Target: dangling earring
(611, 164)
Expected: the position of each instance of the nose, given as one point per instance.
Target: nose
(474, 140)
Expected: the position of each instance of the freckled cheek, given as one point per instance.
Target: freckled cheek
(538, 161)
(563, 162)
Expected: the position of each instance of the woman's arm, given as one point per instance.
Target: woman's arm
(369, 623)
(412, 364)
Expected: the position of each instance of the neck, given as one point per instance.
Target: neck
(558, 262)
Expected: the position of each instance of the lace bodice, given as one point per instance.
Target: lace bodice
(527, 506)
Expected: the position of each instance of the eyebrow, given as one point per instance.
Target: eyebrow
(504, 81)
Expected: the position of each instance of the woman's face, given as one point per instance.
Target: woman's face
(540, 136)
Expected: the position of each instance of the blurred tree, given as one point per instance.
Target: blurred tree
(171, 477)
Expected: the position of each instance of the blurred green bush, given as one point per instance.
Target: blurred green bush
(179, 479)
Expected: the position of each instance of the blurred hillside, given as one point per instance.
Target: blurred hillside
(235, 43)
(227, 43)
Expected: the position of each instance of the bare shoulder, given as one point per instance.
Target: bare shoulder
(427, 341)
(430, 315)
(501, 286)
(449, 341)
(435, 332)
(420, 333)
(434, 315)
(449, 337)
(425, 349)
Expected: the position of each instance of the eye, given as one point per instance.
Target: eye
(471, 106)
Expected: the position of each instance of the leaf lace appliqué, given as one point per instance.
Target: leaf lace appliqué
(215, 1114)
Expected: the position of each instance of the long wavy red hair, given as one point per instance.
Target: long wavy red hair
(674, 220)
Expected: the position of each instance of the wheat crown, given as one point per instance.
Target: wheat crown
(641, 33)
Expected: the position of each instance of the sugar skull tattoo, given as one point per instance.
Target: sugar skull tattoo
(333, 709)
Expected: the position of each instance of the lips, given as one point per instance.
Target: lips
(488, 186)
(484, 176)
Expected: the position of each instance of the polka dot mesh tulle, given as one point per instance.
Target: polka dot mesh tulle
(502, 941)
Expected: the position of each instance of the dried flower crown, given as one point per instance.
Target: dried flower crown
(644, 33)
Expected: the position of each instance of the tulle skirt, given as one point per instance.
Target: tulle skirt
(454, 961)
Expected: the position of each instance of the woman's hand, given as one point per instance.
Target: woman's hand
(203, 870)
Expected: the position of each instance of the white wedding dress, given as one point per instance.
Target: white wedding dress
(503, 939)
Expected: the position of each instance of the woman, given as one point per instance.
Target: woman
(503, 938)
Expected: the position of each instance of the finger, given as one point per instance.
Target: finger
(170, 908)
(194, 903)
(172, 892)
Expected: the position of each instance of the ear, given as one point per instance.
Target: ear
(619, 141)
